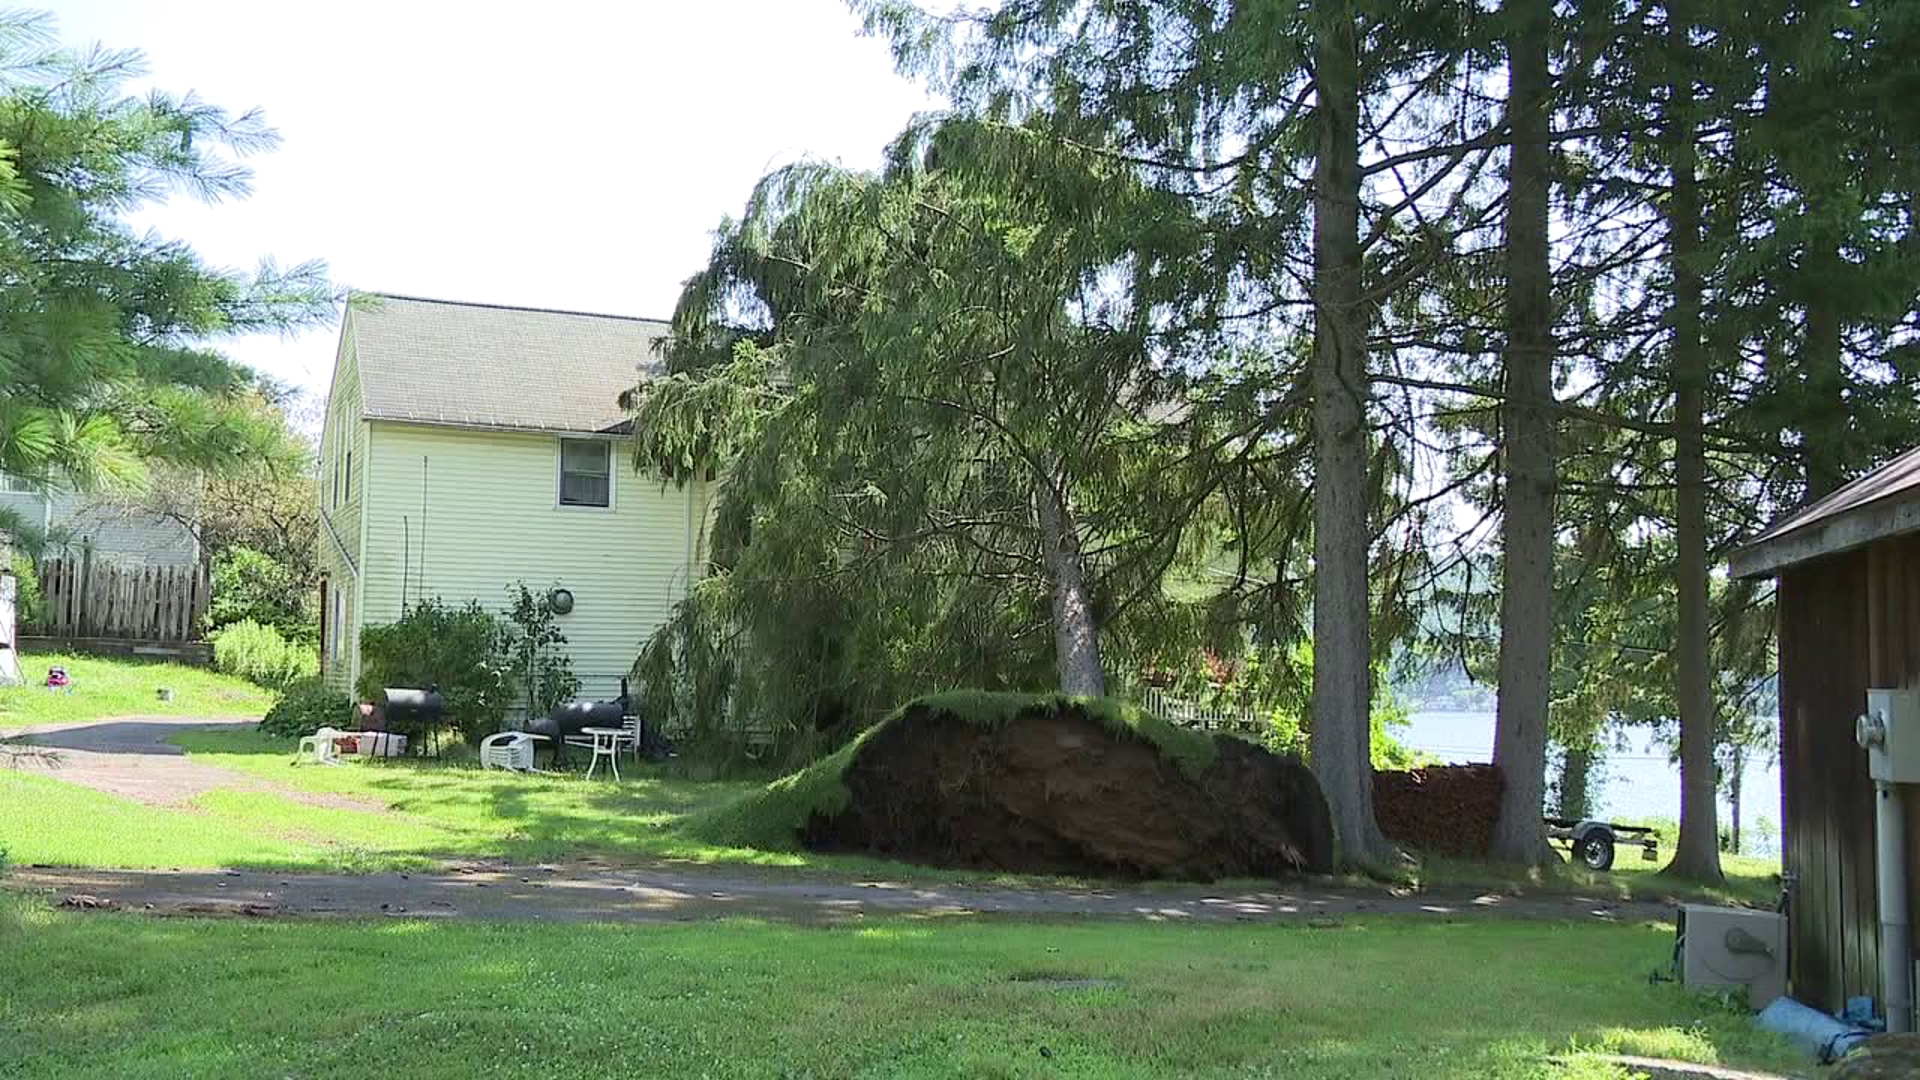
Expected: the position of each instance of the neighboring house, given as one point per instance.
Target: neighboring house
(113, 530)
(1849, 621)
(469, 446)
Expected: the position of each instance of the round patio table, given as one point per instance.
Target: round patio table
(606, 744)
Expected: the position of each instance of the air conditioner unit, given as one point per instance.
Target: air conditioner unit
(1729, 947)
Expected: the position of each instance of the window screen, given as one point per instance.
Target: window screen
(585, 473)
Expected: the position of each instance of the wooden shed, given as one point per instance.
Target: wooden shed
(1849, 619)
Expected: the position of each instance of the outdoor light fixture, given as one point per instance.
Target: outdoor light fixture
(560, 601)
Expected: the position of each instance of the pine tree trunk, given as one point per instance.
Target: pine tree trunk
(1696, 854)
(1823, 432)
(1527, 454)
(1576, 782)
(1735, 779)
(1076, 637)
(1342, 732)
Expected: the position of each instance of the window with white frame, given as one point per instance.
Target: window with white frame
(586, 472)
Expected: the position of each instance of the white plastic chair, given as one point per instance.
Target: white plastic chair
(320, 747)
(509, 750)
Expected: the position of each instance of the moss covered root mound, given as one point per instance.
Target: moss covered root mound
(1048, 785)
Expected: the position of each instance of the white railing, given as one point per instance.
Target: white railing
(1193, 713)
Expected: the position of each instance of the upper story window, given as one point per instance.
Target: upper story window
(586, 472)
(16, 485)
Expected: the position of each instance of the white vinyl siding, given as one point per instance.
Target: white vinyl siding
(343, 451)
(461, 514)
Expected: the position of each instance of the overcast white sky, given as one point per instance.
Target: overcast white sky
(564, 154)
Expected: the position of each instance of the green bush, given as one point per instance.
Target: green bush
(306, 707)
(457, 649)
(28, 603)
(251, 586)
(260, 655)
(534, 652)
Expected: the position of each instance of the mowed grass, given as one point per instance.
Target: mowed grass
(114, 996)
(363, 816)
(47, 820)
(106, 686)
(413, 814)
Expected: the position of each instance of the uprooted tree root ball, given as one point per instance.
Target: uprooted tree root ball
(1056, 785)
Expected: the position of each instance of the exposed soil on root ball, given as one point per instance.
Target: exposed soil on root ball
(1053, 789)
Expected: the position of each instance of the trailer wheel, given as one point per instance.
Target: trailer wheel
(1595, 850)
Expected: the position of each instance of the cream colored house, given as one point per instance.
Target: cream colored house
(470, 446)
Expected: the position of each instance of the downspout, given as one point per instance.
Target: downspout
(1896, 936)
(1890, 733)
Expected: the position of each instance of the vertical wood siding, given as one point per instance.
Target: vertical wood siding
(1847, 623)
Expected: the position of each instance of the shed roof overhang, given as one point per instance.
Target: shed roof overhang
(1884, 503)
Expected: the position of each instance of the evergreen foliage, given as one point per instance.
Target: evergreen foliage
(105, 365)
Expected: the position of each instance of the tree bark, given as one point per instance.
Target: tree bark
(1823, 433)
(1342, 732)
(1527, 453)
(1736, 775)
(1696, 854)
(1076, 635)
(1576, 782)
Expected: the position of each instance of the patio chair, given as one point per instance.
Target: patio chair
(321, 747)
(509, 750)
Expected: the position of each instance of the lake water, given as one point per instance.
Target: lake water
(1638, 781)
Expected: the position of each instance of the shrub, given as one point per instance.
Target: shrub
(306, 707)
(28, 602)
(457, 649)
(533, 652)
(259, 654)
(251, 586)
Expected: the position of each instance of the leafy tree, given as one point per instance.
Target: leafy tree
(932, 393)
(251, 586)
(1255, 116)
(262, 503)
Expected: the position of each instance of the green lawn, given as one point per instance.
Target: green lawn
(131, 996)
(413, 814)
(1751, 881)
(121, 686)
(399, 815)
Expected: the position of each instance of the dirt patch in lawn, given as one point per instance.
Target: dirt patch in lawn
(1053, 786)
(586, 893)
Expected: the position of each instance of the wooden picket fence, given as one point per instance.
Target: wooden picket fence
(94, 598)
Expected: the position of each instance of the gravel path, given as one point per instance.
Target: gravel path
(131, 758)
(586, 893)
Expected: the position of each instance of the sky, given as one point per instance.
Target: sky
(564, 154)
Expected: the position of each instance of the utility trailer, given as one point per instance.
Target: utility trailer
(1592, 843)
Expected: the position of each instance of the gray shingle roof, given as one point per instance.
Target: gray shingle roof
(488, 366)
(1883, 503)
